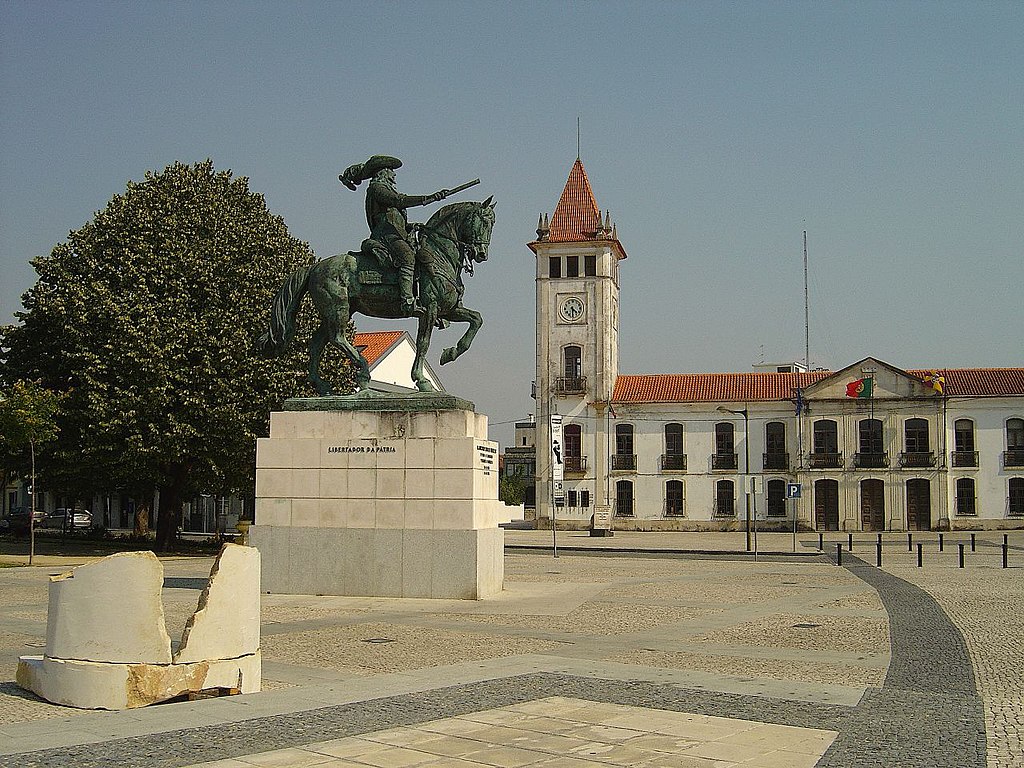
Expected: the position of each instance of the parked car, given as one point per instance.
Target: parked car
(80, 519)
(18, 522)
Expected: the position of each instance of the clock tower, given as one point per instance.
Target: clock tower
(578, 254)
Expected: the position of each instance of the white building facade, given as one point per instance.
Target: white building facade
(871, 447)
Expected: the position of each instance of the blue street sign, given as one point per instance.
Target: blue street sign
(792, 490)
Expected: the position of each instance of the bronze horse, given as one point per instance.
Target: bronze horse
(453, 240)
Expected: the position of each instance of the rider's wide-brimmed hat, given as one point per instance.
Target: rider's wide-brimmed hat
(362, 171)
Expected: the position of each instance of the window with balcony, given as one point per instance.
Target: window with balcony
(917, 450)
(871, 453)
(964, 452)
(572, 437)
(775, 455)
(624, 458)
(624, 498)
(572, 380)
(675, 498)
(1015, 497)
(965, 497)
(1014, 456)
(776, 498)
(673, 460)
(725, 446)
(825, 445)
(725, 499)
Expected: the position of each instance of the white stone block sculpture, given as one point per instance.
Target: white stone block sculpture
(107, 646)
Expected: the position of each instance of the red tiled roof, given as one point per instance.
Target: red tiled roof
(756, 386)
(576, 216)
(374, 345)
(704, 387)
(979, 382)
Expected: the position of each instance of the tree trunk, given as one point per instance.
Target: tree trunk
(169, 516)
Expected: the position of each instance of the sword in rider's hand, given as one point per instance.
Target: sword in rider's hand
(461, 187)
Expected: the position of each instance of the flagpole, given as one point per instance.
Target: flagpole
(807, 321)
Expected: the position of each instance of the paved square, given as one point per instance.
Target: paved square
(557, 732)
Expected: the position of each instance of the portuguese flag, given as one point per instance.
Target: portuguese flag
(859, 388)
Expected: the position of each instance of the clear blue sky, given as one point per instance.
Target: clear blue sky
(893, 132)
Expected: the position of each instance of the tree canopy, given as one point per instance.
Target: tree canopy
(146, 318)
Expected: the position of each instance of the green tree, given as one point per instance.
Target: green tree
(147, 317)
(511, 490)
(28, 419)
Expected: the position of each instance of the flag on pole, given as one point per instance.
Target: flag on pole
(936, 380)
(799, 402)
(860, 388)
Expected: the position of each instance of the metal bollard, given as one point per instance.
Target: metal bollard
(974, 547)
(839, 553)
(940, 542)
(961, 547)
(878, 552)
(919, 558)
(821, 541)
(849, 542)
(879, 538)
(1006, 552)
(910, 542)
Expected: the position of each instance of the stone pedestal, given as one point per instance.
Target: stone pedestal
(385, 496)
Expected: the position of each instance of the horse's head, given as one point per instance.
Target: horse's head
(474, 231)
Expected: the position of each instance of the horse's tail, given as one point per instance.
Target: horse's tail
(282, 315)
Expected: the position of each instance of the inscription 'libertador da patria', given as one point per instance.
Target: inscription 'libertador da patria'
(362, 449)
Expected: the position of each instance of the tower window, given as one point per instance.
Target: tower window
(554, 266)
(590, 265)
(572, 266)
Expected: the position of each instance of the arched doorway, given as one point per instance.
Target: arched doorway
(872, 505)
(919, 505)
(826, 505)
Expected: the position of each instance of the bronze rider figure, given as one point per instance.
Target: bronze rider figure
(388, 221)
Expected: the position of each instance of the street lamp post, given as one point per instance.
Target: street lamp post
(746, 460)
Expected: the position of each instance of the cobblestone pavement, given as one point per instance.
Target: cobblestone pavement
(892, 659)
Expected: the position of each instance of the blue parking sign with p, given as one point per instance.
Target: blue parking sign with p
(792, 490)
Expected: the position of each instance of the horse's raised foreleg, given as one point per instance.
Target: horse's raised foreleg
(461, 314)
(423, 332)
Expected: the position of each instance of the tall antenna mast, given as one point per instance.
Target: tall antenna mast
(807, 322)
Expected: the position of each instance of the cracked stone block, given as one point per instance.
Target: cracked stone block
(109, 611)
(91, 685)
(227, 622)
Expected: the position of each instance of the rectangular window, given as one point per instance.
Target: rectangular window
(584, 499)
(590, 265)
(554, 266)
(572, 266)
(571, 499)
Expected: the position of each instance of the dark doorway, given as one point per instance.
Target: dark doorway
(826, 505)
(872, 505)
(919, 505)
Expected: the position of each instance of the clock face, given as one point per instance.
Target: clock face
(572, 309)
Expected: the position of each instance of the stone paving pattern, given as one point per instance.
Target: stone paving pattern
(934, 652)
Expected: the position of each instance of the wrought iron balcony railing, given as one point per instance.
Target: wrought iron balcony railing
(571, 385)
(624, 462)
(576, 465)
(723, 461)
(917, 459)
(673, 462)
(777, 461)
(871, 460)
(825, 460)
(964, 458)
(1013, 457)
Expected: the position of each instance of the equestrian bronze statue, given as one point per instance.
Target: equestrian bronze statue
(381, 279)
